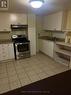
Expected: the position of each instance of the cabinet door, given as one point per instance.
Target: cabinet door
(50, 48)
(43, 46)
(10, 51)
(53, 21)
(46, 47)
(40, 45)
(1, 52)
(5, 51)
(4, 22)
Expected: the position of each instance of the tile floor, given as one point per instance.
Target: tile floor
(14, 74)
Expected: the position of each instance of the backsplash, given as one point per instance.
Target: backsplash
(18, 33)
(52, 34)
(59, 35)
(44, 33)
(7, 35)
(4, 36)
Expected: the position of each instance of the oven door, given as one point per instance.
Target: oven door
(22, 50)
(23, 47)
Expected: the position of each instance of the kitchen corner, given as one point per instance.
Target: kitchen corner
(56, 48)
(46, 44)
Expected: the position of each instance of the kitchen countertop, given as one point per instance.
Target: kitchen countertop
(64, 44)
(5, 41)
(52, 39)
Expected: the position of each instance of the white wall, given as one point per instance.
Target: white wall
(39, 29)
(32, 32)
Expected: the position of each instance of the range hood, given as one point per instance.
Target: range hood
(18, 27)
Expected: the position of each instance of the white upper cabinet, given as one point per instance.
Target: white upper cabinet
(4, 22)
(18, 18)
(55, 21)
(69, 21)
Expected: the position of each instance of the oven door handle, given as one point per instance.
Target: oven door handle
(20, 43)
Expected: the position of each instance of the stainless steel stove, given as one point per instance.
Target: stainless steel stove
(21, 46)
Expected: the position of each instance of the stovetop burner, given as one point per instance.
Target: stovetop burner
(20, 39)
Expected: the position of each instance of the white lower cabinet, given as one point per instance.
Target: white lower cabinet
(46, 46)
(1, 52)
(6, 51)
(11, 51)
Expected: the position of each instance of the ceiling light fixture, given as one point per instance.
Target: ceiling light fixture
(36, 3)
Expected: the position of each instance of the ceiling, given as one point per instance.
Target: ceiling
(49, 6)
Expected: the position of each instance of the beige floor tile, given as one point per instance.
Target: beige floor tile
(10, 74)
(23, 72)
(14, 85)
(4, 88)
(3, 75)
(28, 69)
(34, 66)
(3, 70)
(38, 70)
(3, 64)
(31, 73)
(34, 78)
(26, 66)
(11, 71)
(18, 67)
(10, 64)
(19, 71)
(42, 75)
(13, 78)
(50, 73)
(4, 81)
(11, 68)
(25, 81)
(44, 68)
(22, 75)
